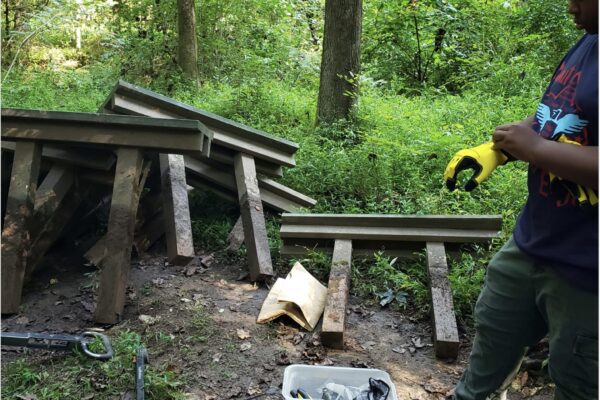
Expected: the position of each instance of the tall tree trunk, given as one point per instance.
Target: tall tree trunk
(340, 61)
(188, 45)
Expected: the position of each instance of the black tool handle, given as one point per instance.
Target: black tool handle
(140, 359)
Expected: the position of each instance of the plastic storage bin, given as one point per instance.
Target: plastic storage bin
(312, 377)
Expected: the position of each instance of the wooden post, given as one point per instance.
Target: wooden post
(445, 334)
(16, 237)
(55, 203)
(334, 317)
(236, 236)
(176, 210)
(149, 233)
(253, 218)
(53, 189)
(119, 237)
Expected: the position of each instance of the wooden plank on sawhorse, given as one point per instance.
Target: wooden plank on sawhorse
(16, 237)
(334, 317)
(445, 332)
(119, 236)
(253, 218)
(176, 210)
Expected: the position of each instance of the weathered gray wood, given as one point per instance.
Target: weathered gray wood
(52, 228)
(176, 210)
(169, 136)
(201, 184)
(97, 253)
(131, 99)
(445, 334)
(53, 189)
(121, 224)
(273, 195)
(16, 238)
(387, 233)
(236, 236)
(97, 159)
(334, 316)
(225, 156)
(477, 222)
(255, 231)
(149, 233)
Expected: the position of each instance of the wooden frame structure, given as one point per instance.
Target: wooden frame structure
(241, 150)
(394, 234)
(126, 135)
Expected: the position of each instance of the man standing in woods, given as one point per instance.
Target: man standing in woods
(544, 281)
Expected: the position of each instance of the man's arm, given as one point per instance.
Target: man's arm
(578, 164)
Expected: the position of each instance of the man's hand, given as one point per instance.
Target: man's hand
(482, 159)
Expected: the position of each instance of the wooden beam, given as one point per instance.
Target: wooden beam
(149, 233)
(130, 99)
(387, 233)
(119, 237)
(53, 189)
(476, 222)
(15, 234)
(52, 228)
(96, 159)
(334, 317)
(273, 195)
(176, 210)
(236, 236)
(255, 231)
(169, 136)
(445, 334)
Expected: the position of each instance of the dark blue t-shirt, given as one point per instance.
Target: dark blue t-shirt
(552, 227)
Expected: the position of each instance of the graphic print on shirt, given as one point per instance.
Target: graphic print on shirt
(558, 114)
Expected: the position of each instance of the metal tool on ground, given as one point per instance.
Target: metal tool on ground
(140, 358)
(59, 342)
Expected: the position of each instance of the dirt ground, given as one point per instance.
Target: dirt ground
(239, 358)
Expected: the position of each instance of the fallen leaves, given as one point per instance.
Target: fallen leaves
(243, 334)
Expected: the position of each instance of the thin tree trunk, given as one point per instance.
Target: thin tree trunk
(188, 45)
(340, 61)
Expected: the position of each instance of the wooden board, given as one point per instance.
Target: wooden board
(169, 136)
(253, 219)
(445, 332)
(236, 236)
(334, 317)
(16, 237)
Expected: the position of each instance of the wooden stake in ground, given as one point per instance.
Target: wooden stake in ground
(334, 317)
(445, 334)
(119, 237)
(176, 211)
(253, 218)
(16, 237)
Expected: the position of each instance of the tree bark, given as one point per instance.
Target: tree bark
(188, 45)
(340, 60)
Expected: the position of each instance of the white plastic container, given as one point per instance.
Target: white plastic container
(312, 377)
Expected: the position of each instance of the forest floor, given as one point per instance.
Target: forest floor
(208, 317)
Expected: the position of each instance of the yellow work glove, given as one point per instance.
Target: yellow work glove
(482, 159)
(585, 196)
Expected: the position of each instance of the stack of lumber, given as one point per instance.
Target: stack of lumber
(140, 154)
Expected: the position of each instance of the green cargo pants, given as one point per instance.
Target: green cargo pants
(521, 302)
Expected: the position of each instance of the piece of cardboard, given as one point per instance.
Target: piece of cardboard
(299, 296)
